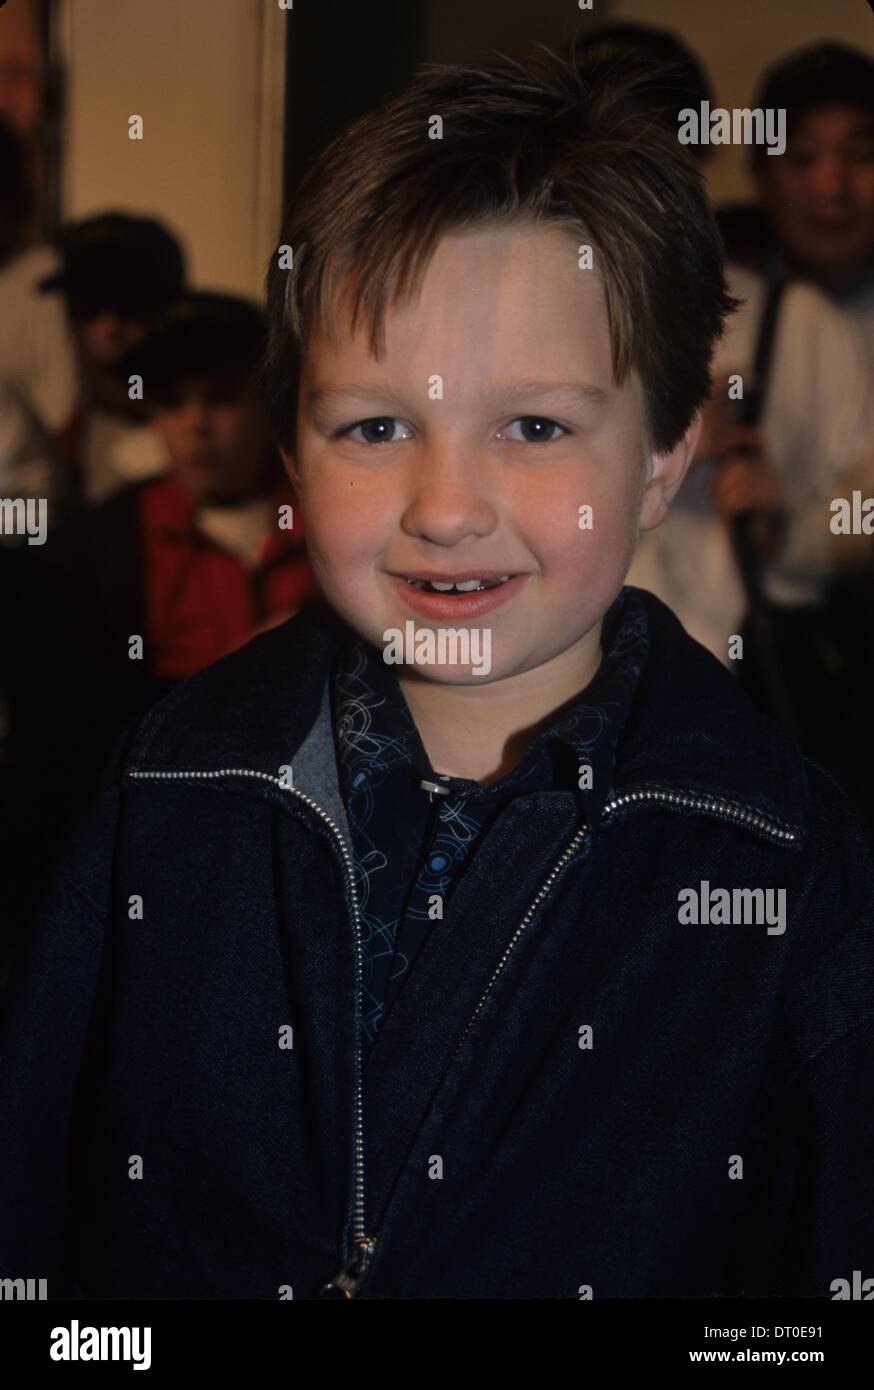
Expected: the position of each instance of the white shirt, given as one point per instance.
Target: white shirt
(37, 351)
(30, 464)
(859, 306)
(240, 529)
(116, 452)
(816, 428)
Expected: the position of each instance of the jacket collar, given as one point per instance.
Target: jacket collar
(693, 729)
(689, 730)
(371, 705)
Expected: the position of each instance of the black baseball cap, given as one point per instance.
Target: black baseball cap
(127, 265)
(201, 334)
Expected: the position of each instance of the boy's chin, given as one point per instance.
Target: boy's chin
(447, 675)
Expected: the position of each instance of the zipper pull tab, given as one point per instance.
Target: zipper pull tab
(345, 1283)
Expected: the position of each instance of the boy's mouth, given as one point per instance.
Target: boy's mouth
(464, 596)
(433, 585)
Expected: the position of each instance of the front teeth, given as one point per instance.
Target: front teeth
(466, 586)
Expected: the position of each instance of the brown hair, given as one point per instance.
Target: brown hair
(548, 142)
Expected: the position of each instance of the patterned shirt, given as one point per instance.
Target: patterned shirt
(410, 846)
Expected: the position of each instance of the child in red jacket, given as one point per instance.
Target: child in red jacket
(168, 574)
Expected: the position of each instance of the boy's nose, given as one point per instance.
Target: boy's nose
(449, 498)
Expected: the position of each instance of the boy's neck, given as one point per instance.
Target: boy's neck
(481, 732)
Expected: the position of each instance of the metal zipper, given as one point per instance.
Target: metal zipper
(526, 921)
(711, 805)
(346, 1280)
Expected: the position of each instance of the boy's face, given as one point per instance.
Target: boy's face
(397, 481)
(105, 337)
(216, 434)
(820, 193)
(102, 339)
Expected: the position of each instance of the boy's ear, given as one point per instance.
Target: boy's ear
(667, 472)
(289, 463)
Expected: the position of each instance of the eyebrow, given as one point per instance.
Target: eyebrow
(573, 391)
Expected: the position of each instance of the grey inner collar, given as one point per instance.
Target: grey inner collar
(314, 767)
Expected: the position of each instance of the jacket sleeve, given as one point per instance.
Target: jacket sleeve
(831, 1243)
(828, 1124)
(47, 1010)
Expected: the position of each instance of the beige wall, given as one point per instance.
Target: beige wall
(737, 39)
(206, 76)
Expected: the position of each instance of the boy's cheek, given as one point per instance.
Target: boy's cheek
(344, 494)
(347, 525)
(336, 560)
(346, 566)
(600, 527)
(602, 562)
(583, 574)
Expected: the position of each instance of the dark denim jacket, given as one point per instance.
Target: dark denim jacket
(411, 847)
(575, 1091)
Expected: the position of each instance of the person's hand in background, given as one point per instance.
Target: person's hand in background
(743, 481)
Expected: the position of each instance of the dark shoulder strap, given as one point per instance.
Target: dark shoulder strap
(754, 399)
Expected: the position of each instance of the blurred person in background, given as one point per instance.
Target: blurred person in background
(22, 76)
(39, 387)
(817, 216)
(69, 433)
(746, 548)
(116, 274)
(38, 367)
(164, 577)
(815, 219)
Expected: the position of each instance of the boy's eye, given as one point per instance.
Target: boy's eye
(379, 430)
(536, 429)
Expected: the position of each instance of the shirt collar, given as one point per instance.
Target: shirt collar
(774, 267)
(375, 728)
(170, 514)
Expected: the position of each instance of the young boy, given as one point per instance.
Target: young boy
(538, 965)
